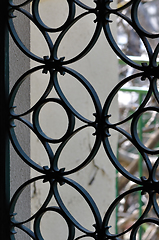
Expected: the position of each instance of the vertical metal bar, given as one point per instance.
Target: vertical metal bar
(117, 194)
(140, 162)
(4, 141)
(141, 93)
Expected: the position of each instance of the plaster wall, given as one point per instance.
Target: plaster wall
(19, 171)
(100, 68)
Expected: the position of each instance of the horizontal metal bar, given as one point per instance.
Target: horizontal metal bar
(137, 59)
(135, 89)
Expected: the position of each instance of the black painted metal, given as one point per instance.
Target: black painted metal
(102, 123)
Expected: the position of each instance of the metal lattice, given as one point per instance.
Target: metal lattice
(102, 124)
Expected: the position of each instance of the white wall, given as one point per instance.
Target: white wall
(100, 68)
(19, 171)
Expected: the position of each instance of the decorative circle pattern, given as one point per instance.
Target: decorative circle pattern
(102, 125)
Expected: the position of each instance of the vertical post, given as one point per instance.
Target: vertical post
(4, 141)
(140, 162)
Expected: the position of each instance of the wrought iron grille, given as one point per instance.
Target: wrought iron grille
(102, 124)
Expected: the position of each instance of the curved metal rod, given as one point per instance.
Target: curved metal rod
(113, 206)
(115, 161)
(11, 4)
(87, 198)
(114, 92)
(40, 23)
(82, 5)
(86, 49)
(85, 162)
(136, 22)
(16, 87)
(37, 222)
(115, 47)
(134, 132)
(21, 152)
(16, 196)
(36, 124)
(24, 229)
(146, 220)
(18, 41)
(87, 86)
